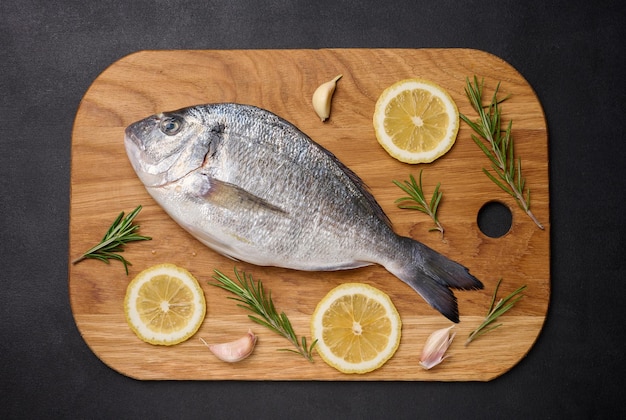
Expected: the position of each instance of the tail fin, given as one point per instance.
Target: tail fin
(431, 274)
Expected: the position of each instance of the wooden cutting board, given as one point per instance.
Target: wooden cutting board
(282, 81)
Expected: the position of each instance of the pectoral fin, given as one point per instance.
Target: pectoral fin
(233, 197)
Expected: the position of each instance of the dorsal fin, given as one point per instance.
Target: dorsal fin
(360, 186)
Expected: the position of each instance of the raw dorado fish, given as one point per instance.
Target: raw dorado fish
(253, 187)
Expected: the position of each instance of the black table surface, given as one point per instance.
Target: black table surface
(571, 53)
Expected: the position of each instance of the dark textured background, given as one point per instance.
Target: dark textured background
(571, 52)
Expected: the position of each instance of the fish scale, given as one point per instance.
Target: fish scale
(253, 187)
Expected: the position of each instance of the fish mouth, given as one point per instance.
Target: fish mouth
(143, 126)
(139, 160)
(151, 172)
(134, 146)
(131, 140)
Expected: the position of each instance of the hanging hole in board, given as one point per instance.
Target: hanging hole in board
(495, 219)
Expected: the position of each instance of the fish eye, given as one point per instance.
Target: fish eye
(171, 125)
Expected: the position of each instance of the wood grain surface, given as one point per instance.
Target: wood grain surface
(103, 184)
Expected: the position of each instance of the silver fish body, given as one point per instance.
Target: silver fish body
(253, 187)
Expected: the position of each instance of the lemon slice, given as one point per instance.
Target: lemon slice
(357, 328)
(164, 305)
(416, 121)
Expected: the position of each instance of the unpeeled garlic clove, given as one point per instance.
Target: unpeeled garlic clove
(234, 351)
(435, 348)
(323, 96)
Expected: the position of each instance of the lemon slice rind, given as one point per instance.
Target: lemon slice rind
(338, 362)
(387, 142)
(133, 316)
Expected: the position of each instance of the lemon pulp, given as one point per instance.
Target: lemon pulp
(164, 305)
(416, 121)
(357, 327)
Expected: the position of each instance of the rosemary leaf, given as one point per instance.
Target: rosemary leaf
(497, 145)
(254, 298)
(435, 200)
(415, 193)
(121, 232)
(495, 310)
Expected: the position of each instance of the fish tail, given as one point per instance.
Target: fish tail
(432, 274)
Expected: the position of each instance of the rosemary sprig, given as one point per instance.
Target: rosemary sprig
(254, 298)
(120, 233)
(415, 193)
(495, 310)
(499, 145)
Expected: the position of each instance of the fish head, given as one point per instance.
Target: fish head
(165, 147)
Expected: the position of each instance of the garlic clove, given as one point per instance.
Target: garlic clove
(322, 98)
(234, 351)
(437, 344)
